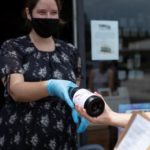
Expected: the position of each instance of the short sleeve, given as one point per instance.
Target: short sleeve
(10, 59)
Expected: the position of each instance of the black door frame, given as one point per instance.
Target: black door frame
(79, 42)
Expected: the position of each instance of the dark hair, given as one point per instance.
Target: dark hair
(31, 4)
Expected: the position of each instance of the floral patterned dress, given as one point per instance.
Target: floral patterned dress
(45, 124)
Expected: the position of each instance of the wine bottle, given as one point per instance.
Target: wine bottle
(93, 104)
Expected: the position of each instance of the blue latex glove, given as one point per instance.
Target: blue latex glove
(83, 123)
(60, 88)
(57, 87)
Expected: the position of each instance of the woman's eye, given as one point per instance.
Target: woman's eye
(54, 12)
(42, 13)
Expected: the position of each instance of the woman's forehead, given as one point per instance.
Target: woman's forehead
(49, 4)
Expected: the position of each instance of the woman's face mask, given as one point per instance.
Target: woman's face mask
(45, 27)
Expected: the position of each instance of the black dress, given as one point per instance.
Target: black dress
(45, 124)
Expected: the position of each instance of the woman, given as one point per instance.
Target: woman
(38, 113)
(108, 117)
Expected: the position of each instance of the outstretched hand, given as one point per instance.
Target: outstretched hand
(104, 118)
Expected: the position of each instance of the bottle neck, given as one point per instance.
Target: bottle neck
(72, 91)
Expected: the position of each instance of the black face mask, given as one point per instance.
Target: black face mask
(45, 27)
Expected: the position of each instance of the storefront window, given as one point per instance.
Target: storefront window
(132, 69)
(133, 66)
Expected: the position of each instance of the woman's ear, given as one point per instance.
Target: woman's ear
(28, 14)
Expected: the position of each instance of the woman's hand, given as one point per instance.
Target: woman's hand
(60, 88)
(81, 121)
(104, 118)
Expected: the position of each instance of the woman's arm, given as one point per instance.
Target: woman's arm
(121, 119)
(30, 91)
(26, 91)
(108, 117)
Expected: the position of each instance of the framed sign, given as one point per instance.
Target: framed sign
(104, 40)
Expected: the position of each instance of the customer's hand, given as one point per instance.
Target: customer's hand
(81, 121)
(60, 88)
(105, 118)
